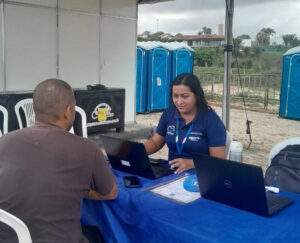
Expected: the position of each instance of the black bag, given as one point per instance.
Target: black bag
(96, 87)
(284, 170)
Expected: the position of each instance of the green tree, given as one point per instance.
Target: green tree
(291, 40)
(205, 31)
(262, 39)
(244, 37)
(178, 35)
(205, 56)
(237, 47)
(141, 39)
(268, 31)
(247, 51)
(263, 36)
(147, 33)
(249, 64)
(155, 36)
(256, 51)
(295, 42)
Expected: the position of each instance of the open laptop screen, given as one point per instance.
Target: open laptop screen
(236, 184)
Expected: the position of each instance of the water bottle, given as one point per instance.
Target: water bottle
(236, 151)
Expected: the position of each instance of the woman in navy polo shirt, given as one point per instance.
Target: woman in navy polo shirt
(188, 126)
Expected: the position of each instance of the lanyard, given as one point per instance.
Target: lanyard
(180, 149)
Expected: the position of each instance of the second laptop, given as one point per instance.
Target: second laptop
(131, 157)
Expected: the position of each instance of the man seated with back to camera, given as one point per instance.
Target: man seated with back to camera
(45, 171)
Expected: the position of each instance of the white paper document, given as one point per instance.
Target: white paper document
(175, 191)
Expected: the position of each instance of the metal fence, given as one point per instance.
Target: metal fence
(259, 90)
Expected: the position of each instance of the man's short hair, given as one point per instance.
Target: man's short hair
(50, 97)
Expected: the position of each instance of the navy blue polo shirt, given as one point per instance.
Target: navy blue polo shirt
(208, 131)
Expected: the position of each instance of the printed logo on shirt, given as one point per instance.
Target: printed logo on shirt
(194, 139)
(171, 130)
(197, 133)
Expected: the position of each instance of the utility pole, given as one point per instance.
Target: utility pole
(227, 63)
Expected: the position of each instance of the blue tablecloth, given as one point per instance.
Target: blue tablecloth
(139, 216)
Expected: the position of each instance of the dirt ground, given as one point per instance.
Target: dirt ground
(266, 130)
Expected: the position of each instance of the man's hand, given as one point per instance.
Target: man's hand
(181, 164)
(113, 194)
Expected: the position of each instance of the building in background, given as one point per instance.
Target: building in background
(144, 35)
(220, 29)
(166, 36)
(196, 41)
(248, 42)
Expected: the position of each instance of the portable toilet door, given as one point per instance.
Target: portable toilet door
(182, 62)
(141, 80)
(290, 87)
(159, 79)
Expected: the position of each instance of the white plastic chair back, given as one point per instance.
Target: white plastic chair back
(19, 227)
(5, 120)
(228, 142)
(279, 146)
(27, 106)
(83, 122)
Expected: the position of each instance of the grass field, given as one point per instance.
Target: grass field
(260, 85)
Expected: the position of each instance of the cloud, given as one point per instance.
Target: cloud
(283, 17)
(189, 16)
(187, 5)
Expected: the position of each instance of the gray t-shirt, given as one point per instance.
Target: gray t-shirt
(44, 175)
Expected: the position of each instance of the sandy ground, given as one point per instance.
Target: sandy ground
(266, 130)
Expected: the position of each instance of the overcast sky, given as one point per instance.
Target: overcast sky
(250, 16)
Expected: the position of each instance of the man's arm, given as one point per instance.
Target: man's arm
(113, 194)
(103, 183)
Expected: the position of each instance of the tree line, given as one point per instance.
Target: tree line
(157, 35)
(249, 56)
(262, 38)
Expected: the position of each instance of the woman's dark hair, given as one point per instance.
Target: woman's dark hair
(192, 81)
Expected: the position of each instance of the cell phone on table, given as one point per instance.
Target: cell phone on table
(131, 181)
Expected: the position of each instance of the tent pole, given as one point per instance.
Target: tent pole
(227, 63)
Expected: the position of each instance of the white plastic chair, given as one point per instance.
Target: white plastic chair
(27, 106)
(5, 120)
(83, 121)
(18, 226)
(279, 146)
(228, 142)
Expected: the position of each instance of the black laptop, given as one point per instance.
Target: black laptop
(132, 157)
(236, 184)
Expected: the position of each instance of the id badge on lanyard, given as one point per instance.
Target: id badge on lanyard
(180, 148)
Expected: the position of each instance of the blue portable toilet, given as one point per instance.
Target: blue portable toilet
(159, 75)
(182, 58)
(141, 77)
(290, 85)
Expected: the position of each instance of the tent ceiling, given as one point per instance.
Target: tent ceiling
(153, 1)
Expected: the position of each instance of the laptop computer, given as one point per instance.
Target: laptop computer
(131, 157)
(236, 184)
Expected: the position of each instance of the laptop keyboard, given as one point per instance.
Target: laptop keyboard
(276, 202)
(160, 170)
(273, 200)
